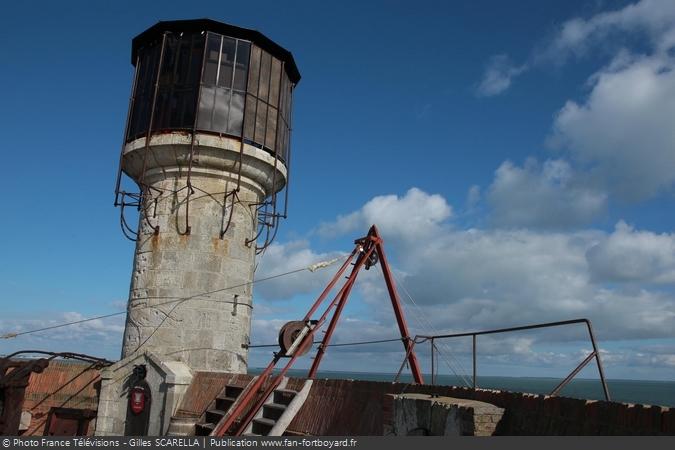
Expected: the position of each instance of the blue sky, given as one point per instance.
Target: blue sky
(519, 160)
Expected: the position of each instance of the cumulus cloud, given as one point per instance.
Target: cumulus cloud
(623, 130)
(549, 195)
(100, 337)
(473, 197)
(498, 75)
(280, 258)
(620, 133)
(577, 36)
(655, 18)
(478, 279)
(413, 215)
(628, 255)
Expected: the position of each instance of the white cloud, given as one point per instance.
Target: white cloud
(621, 133)
(577, 36)
(656, 18)
(478, 279)
(628, 255)
(547, 196)
(624, 129)
(416, 214)
(498, 75)
(100, 337)
(473, 197)
(280, 258)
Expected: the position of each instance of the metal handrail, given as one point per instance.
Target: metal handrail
(594, 354)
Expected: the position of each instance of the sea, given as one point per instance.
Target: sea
(644, 392)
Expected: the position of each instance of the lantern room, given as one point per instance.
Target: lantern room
(210, 77)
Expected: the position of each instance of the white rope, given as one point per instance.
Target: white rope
(322, 264)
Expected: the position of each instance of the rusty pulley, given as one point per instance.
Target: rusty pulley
(287, 336)
(372, 260)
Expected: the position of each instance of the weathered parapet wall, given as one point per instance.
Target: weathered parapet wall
(530, 414)
(348, 407)
(430, 415)
(359, 408)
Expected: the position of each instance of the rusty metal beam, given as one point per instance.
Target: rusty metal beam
(572, 374)
(398, 309)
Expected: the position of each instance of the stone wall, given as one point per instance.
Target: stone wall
(349, 407)
(208, 332)
(167, 380)
(427, 415)
(196, 242)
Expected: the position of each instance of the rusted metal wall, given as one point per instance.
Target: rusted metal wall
(341, 407)
(61, 385)
(12, 396)
(204, 388)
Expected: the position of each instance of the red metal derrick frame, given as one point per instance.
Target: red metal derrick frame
(368, 251)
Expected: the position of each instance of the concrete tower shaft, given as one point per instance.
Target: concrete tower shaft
(207, 143)
(208, 331)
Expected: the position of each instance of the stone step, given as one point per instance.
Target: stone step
(204, 429)
(224, 403)
(233, 391)
(262, 426)
(273, 410)
(284, 396)
(214, 415)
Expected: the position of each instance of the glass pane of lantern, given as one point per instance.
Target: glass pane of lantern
(182, 115)
(189, 60)
(148, 60)
(287, 143)
(265, 66)
(249, 120)
(222, 108)
(139, 119)
(196, 57)
(289, 101)
(226, 62)
(183, 61)
(254, 70)
(282, 92)
(241, 69)
(166, 77)
(271, 128)
(162, 108)
(236, 114)
(282, 151)
(205, 108)
(274, 82)
(211, 62)
(260, 122)
(277, 142)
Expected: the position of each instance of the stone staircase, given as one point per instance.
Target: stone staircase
(278, 411)
(215, 414)
(271, 420)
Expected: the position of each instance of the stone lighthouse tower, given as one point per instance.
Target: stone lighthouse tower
(207, 143)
